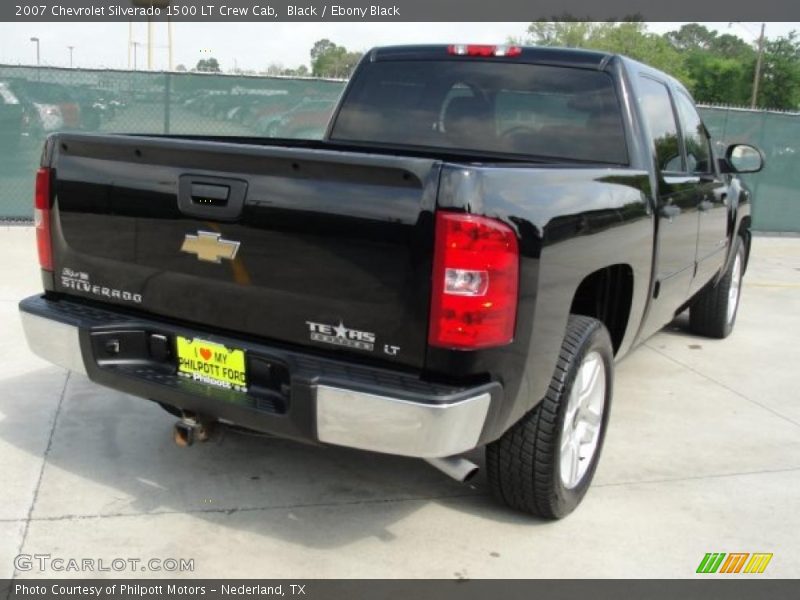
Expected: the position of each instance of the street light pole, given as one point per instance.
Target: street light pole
(71, 48)
(135, 46)
(36, 39)
(757, 76)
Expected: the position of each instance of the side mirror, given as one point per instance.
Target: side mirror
(744, 158)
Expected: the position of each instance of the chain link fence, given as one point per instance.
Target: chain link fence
(37, 101)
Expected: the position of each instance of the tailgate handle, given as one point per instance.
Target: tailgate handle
(215, 198)
(210, 195)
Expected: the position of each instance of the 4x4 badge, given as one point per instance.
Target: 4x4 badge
(209, 246)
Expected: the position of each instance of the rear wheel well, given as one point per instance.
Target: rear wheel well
(606, 295)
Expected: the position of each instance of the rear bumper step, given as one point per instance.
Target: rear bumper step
(291, 394)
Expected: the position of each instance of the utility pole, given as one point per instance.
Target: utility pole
(149, 44)
(36, 39)
(71, 48)
(759, 60)
(169, 41)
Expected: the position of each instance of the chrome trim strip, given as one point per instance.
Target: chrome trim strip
(395, 426)
(53, 341)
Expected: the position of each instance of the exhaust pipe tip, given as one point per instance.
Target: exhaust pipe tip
(189, 430)
(456, 467)
(183, 434)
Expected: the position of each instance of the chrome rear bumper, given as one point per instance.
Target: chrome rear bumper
(386, 424)
(330, 402)
(55, 342)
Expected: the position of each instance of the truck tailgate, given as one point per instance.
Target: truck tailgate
(318, 248)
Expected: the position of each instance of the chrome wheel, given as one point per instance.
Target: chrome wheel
(580, 432)
(733, 290)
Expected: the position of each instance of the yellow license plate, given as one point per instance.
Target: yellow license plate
(212, 363)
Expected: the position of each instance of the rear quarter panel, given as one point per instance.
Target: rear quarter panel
(571, 222)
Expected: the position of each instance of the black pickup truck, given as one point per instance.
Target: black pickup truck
(481, 233)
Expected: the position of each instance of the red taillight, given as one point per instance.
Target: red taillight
(475, 281)
(41, 216)
(483, 50)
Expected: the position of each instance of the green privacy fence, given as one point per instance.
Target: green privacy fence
(776, 190)
(36, 101)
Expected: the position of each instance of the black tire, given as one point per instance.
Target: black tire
(709, 314)
(524, 465)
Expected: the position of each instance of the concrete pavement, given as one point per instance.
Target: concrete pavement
(702, 455)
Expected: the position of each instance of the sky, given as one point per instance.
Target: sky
(254, 46)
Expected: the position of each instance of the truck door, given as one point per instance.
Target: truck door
(711, 192)
(676, 206)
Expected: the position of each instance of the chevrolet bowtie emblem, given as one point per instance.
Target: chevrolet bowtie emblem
(209, 246)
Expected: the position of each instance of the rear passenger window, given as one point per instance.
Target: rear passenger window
(698, 153)
(657, 108)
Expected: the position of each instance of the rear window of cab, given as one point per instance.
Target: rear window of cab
(488, 107)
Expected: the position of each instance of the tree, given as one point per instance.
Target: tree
(569, 33)
(731, 46)
(719, 80)
(320, 48)
(181, 68)
(278, 69)
(780, 74)
(208, 65)
(690, 37)
(717, 68)
(330, 60)
(629, 37)
(301, 71)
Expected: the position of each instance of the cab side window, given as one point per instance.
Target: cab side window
(656, 106)
(698, 151)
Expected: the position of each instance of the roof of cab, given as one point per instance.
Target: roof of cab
(634, 66)
(572, 57)
(542, 55)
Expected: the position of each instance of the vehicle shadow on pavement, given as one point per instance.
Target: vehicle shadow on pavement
(112, 455)
(679, 326)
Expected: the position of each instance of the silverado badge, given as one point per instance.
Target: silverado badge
(209, 246)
